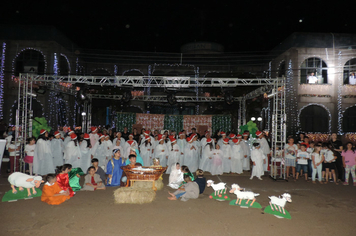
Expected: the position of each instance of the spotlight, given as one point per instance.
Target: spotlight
(171, 99)
(259, 119)
(32, 94)
(84, 114)
(253, 118)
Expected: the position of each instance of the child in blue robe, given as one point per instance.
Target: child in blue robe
(113, 169)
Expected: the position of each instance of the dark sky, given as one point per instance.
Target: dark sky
(164, 26)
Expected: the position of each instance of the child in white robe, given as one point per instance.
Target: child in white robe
(43, 157)
(245, 144)
(176, 176)
(57, 147)
(191, 155)
(217, 166)
(226, 150)
(72, 154)
(98, 151)
(264, 147)
(236, 157)
(207, 156)
(181, 143)
(146, 151)
(258, 159)
(85, 161)
(161, 151)
(174, 154)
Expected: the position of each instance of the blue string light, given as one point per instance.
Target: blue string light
(2, 74)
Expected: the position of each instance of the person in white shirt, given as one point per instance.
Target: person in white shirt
(312, 79)
(302, 162)
(352, 79)
(265, 148)
(237, 157)
(30, 151)
(328, 168)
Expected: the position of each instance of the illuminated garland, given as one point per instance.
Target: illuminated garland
(69, 67)
(55, 64)
(316, 104)
(339, 98)
(76, 66)
(351, 137)
(2, 74)
(315, 95)
(115, 69)
(28, 48)
(293, 104)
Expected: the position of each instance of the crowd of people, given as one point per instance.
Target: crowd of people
(104, 152)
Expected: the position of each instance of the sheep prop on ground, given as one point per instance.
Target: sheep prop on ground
(235, 188)
(24, 181)
(218, 188)
(279, 202)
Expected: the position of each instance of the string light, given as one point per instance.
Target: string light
(315, 104)
(65, 57)
(291, 109)
(2, 74)
(339, 98)
(28, 48)
(115, 69)
(55, 64)
(76, 66)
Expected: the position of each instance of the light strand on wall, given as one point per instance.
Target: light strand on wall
(65, 57)
(24, 49)
(339, 97)
(55, 64)
(315, 104)
(2, 74)
(291, 97)
(76, 66)
(115, 69)
(197, 89)
(149, 69)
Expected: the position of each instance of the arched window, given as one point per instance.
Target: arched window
(349, 120)
(30, 61)
(314, 71)
(63, 66)
(282, 69)
(133, 72)
(350, 72)
(314, 118)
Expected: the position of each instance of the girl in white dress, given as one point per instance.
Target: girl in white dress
(57, 147)
(85, 161)
(258, 159)
(176, 176)
(131, 143)
(181, 143)
(108, 149)
(226, 150)
(217, 166)
(191, 155)
(43, 157)
(161, 151)
(236, 157)
(98, 151)
(245, 144)
(72, 154)
(174, 154)
(146, 151)
(207, 156)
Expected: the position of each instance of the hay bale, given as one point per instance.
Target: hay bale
(134, 195)
(148, 184)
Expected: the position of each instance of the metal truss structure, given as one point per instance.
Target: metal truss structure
(276, 85)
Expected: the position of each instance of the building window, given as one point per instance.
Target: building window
(314, 118)
(314, 71)
(349, 120)
(350, 72)
(63, 66)
(282, 69)
(30, 61)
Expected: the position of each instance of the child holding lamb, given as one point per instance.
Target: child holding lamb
(52, 194)
(258, 159)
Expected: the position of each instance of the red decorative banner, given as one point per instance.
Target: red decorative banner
(150, 121)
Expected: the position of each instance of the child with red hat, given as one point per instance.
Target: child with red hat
(146, 151)
(98, 151)
(226, 150)
(207, 156)
(161, 151)
(85, 161)
(94, 137)
(130, 143)
(236, 157)
(174, 154)
(191, 158)
(43, 157)
(72, 152)
(246, 147)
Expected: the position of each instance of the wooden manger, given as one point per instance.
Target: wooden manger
(143, 174)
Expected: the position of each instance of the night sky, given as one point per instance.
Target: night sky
(164, 26)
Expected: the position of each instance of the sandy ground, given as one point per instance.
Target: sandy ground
(316, 210)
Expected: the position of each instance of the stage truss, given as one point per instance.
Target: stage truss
(23, 117)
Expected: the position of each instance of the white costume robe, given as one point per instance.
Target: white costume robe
(257, 156)
(217, 165)
(66, 140)
(237, 157)
(57, 151)
(72, 154)
(85, 160)
(43, 158)
(245, 145)
(226, 150)
(127, 148)
(266, 150)
(198, 146)
(108, 149)
(146, 153)
(173, 157)
(94, 138)
(175, 177)
(206, 162)
(122, 143)
(161, 153)
(191, 157)
(98, 151)
(181, 143)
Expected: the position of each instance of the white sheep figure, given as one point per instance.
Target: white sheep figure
(218, 188)
(235, 188)
(280, 202)
(24, 181)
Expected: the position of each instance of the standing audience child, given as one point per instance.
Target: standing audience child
(349, 161)
(302, 162)
(317, 160)
(52, 194)
(290, 154)
(30, 151)
(329, 164)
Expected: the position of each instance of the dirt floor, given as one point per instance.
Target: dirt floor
(316, 210)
